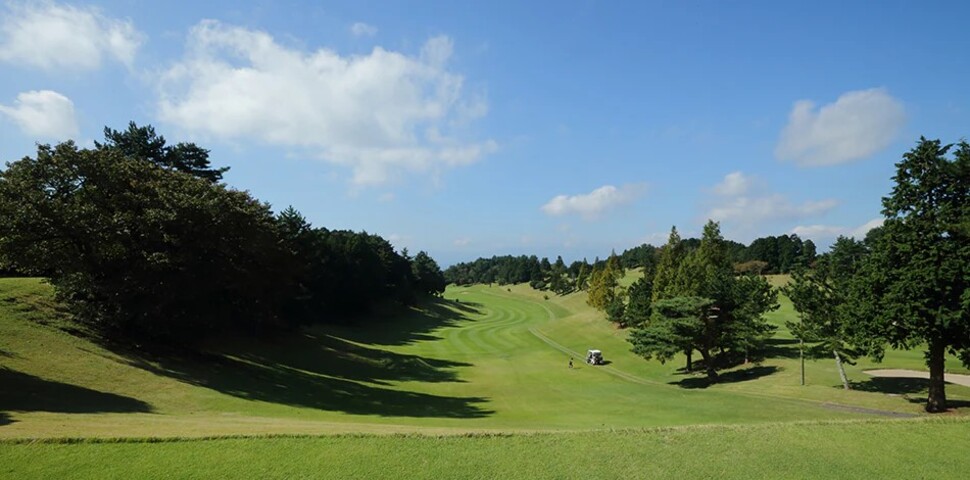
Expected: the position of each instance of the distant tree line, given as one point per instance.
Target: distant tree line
(140, 239)
(767, 255)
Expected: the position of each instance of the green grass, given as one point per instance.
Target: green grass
(484, 359)
(886, 449)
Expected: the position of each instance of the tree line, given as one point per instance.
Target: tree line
(766, 255)
(140, 239)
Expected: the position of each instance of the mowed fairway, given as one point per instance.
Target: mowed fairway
(488, 361)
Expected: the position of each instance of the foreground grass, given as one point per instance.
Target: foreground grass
(864, 450)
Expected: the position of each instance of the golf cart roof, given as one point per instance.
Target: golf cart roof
(594, 352)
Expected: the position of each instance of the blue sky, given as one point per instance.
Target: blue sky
(472, 129)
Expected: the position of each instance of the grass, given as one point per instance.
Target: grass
(863, 450)
(481, 360)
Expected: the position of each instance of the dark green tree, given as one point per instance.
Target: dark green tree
(143, 143)
(138, 250)
(914, 287)
(638, 307)
(427, 274)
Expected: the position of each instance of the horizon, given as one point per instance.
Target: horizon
(471, 131)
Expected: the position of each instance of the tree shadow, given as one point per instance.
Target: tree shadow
(318, 352)
(781, 348)
(414, 325)
(27, 393)
(733, 376)
(891, 385)
(274, 379)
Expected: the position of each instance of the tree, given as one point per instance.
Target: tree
(708, 309)
(138, 250)
(603, 283)
(671, 255)
(638, 307)
(820, 296)
(914, 287)
(427, 274)
(143, 143)
(678, 324)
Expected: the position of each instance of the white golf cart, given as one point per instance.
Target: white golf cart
(594, 357)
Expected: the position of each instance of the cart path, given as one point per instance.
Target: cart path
(954, 378)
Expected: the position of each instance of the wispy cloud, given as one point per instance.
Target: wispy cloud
(52, 36)
(591, 205)
(43, 114)
(381, 115)
(826, 233)
(859, 124)
(361, 29)
(737, 200)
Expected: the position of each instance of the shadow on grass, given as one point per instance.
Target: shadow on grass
(728, 377)
(26, 393)
(892, 385)
(331, 368)
(5, 419)
(781, 348)
(275, 379)
(414, 325)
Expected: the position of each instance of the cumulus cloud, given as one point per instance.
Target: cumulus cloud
(829, 232)
(591, 205)
(738, 201)
(43, 114)
(379, 114)
(361, 29)
(51, 36)
(859, 124)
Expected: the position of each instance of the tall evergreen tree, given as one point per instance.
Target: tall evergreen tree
(914, 287)
(671, 256)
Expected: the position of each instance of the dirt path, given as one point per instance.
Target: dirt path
(949, 377)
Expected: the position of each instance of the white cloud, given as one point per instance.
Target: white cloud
(859, 124)
(51, 36)
(380, 114)
(43, 114)
(361, 29)
(829, 232)
(591, 205)
(734, 184)
(739, 202)
(461, 242)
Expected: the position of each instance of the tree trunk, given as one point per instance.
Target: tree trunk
(935, 360)
(709, 365)
(690, 362)
(838, 363)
